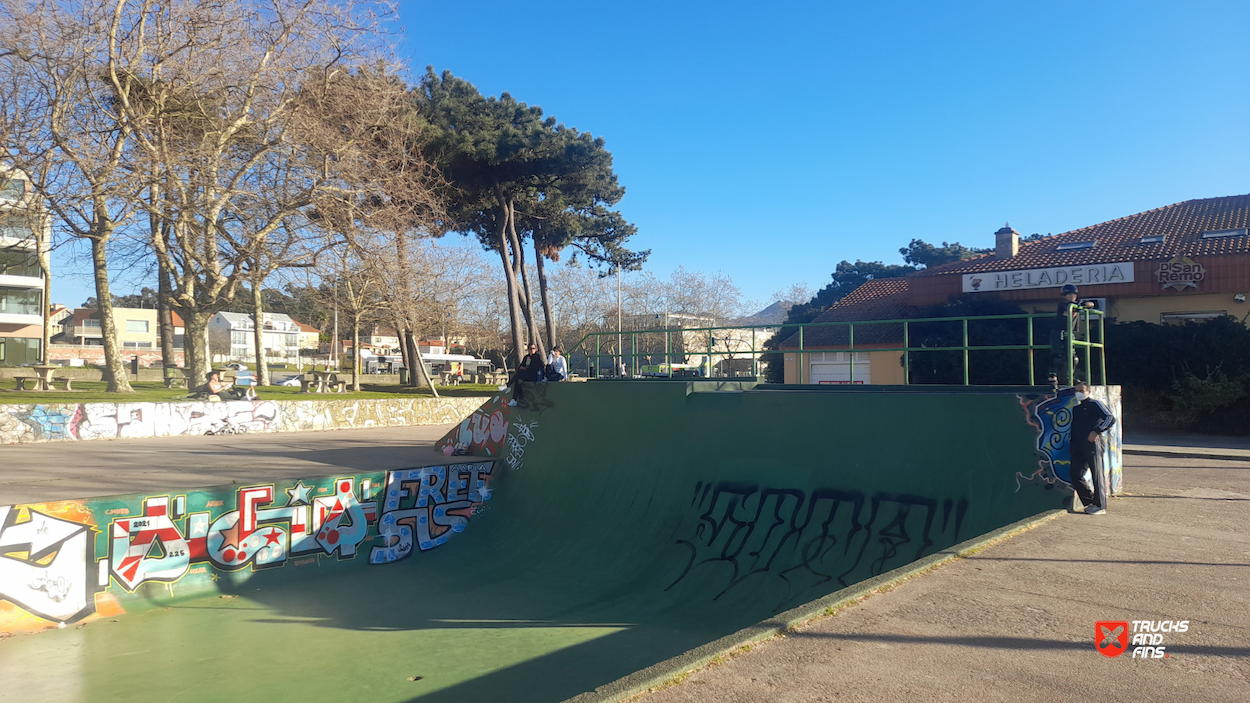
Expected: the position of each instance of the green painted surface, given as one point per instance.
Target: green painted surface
(644, 520)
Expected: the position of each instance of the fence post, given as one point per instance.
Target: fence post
(1029, 340)
(850, 345)
(633, 353)
(1102, 346)
(906, 357)
(798, 358)
(965, 326)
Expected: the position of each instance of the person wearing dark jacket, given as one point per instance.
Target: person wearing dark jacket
(529, 370)
(1066, 325)
(1090, 419)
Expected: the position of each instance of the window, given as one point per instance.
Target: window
(1224, 233)
(137, 326)
(292, 340)
(137, 345)
(12, 189)
(1070, 246)
(21, 301)
(15, 351)
(239, 339)
(1179, 317)
(19, 262)
(91, 323)
(1153, 239)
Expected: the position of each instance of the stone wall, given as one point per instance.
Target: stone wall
(93, 354)
(51, 422)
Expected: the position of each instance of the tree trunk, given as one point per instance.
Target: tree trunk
(526, 301)
(258, 334)
(117, 374)
(424, 375)
(501, 243)
(165, 318)
(545, 297)
(403, 348)
(356, 353)
(195, 345)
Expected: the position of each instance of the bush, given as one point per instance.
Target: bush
(1189, 377)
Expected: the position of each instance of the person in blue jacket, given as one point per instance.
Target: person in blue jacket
(1090, 419)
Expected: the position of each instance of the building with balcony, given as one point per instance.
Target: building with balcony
(136, 328)
(23, 231)
(230, 336)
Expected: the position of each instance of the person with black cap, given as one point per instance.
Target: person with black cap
(1066, 317)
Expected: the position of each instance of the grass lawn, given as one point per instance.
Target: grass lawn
(155, 391)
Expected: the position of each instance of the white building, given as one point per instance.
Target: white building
(230, 336)
(22, 307)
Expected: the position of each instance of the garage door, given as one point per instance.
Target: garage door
(835, 368)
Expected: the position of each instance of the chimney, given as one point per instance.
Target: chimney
(1006, 242)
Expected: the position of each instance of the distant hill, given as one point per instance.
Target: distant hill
(774, 314)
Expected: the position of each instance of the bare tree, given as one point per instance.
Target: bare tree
(233, 109)
(61, 126)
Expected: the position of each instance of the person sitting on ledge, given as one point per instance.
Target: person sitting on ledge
(215, 387)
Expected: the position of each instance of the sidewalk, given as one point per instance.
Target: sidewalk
(1015, 622)
(1191, 446)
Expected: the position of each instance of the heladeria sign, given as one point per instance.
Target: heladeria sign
(1090, 274)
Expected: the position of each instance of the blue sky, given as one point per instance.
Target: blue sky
(771, 140)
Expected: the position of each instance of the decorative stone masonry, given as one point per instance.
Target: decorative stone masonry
(51, 422)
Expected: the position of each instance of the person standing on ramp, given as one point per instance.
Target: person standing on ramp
(1066, 319)
(1090, 419)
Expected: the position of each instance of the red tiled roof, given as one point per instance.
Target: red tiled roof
(878, 299)
(1181, 225)
(306, 328)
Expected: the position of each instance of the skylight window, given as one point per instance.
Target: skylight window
(1153, 239)
(1224, 233)
(1070, 246)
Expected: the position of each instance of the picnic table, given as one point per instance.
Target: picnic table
(449, 378)
(43, 380)
(177, 377)
(322, 382)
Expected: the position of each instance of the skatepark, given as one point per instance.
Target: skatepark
(598, 539)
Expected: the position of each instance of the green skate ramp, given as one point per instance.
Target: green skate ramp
(627, 523)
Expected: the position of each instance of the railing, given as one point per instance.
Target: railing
(1066, 373)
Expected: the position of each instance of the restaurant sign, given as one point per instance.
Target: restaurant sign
(1090, 274)
(1180, 273)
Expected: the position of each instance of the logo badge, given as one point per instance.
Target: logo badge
(1111, 638)
(1180, 273)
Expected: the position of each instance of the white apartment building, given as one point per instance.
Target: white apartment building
(22, 306)
(230, 336)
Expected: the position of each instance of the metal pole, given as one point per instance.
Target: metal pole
(965, 325)
(633, 352)
(906, 357)
(755, 367)
(598, 358)
(1029, 340)
(1102, 349)
(850, 339)
(1067, 363)
(620, 343)
(799, 357)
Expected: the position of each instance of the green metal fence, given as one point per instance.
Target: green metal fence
(1085, 341)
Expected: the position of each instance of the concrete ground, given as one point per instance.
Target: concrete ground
(1015, 622)
(47, 471)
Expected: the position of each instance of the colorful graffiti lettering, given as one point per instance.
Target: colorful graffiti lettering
(45, 564)
(86, 421)
(48, 566)
(427, 506)
(1051, 416)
